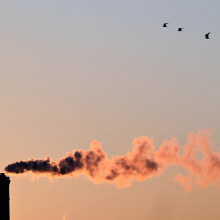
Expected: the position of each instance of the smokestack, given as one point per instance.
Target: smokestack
(4, 197)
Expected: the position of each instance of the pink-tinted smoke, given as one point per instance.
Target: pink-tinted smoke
(141, 163)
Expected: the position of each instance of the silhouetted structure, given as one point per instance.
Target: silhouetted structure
(165, 24)
(4, 197)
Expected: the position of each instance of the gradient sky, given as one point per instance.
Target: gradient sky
(74, 71)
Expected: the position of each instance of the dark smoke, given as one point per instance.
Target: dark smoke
(141, 163)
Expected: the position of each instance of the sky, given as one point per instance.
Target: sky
(75, 71)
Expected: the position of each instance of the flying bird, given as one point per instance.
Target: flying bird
(180, 29)
(207, 36)
(165, 24)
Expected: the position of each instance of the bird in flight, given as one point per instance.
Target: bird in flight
(207, 36)
(181, 29)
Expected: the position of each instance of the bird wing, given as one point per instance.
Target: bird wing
(207, 35)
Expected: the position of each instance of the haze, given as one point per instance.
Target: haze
(74, 71)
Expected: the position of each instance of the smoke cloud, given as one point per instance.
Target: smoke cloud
(141, 163)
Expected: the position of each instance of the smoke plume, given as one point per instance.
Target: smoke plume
(141, 163)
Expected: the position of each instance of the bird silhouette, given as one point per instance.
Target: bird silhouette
(207, 36)
(180, 29)
(165, 24)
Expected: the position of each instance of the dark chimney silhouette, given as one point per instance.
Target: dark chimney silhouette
(4, 197)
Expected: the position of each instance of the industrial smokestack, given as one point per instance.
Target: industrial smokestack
(4, 197)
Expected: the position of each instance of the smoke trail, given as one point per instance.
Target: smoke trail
(141, 163)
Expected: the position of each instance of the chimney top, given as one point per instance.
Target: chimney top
(3, 177)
